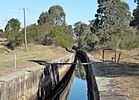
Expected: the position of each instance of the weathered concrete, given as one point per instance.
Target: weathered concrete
(106, 84)
(25, 84)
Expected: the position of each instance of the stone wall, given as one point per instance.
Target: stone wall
(25, 84)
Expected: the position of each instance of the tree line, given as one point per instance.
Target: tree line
(51, 28)
(113, 27)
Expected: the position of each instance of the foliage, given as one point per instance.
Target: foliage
(58, 33)
(14, 37)
(81, 28)
(91, 40)
(81, 41)
(58, 15)
(135, 21)
(60, 38)
(111, 18)
(13, 25)
(44, 18)
(125, 40)
(112, 25)
(88, 40)
(1, 32)
(36, 33)
(54, 16)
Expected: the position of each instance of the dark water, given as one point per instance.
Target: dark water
(78, 89)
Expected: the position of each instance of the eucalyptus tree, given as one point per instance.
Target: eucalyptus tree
(13, 24)
(113, 16)
(135, 21)
(55, 16)
(12, 33)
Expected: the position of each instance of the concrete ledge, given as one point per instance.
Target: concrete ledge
(24, 85)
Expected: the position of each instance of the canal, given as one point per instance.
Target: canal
(78, 90)
(77, 84)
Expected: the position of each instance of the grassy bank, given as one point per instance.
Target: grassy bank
(34, 52)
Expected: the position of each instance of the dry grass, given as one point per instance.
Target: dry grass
(128, 83)
(34, 52)
(125, 57)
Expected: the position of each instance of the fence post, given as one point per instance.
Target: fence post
(115, 56)
(103, 55)
(15, 61)
(119, 57)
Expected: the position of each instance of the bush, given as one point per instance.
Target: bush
(14, 38)
(92, 40)
(127, 39)
(35, 34)
(88, 40)
(60, 38)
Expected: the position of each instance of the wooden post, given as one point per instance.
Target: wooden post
(100, 57)
(119, 57)
(103, 55)
(115, 56)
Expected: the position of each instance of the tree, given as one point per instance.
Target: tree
(55, 16)
(135, 21)
(113, 16)
(80, 28)
(58, 15)
(60, 38)
(91, 40)
(44, 18)
(14, 37)
(13, 25)
(85, 38)
(34, 36)
(1, 32)
(127, 39)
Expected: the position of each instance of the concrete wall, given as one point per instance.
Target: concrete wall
(30, 82)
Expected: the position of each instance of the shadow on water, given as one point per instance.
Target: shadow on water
(111, 69)
(50, 88)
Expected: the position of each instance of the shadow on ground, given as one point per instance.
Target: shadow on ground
(122, 69)
(41, 62)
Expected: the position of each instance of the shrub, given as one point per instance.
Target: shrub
(127, 39)
(60, 38)
(14, 38)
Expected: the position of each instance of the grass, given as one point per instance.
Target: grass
(127, 74)
(34, 52)
(111, 53)
(130, 85)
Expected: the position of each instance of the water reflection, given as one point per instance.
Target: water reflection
(80, 72)
(64, 94)
(78, 90)
(79, 87)
(73, 86)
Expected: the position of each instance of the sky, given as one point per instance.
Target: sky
(76, 10)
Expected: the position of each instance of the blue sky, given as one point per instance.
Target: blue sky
(76, 10)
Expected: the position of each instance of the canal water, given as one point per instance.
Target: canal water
(78, 89)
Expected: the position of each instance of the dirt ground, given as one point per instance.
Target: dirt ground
(124, 76)
(23, 58)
